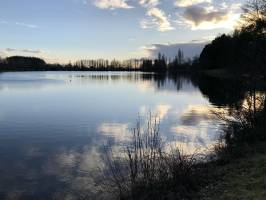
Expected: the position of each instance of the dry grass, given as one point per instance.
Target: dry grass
(148, 171)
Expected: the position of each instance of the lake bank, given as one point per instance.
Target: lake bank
(243, 178)
(238, 177)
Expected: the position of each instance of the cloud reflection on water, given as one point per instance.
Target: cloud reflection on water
(56, 144)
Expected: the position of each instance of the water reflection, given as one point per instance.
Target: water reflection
(54, 124)
(118, 131)
(195, 115)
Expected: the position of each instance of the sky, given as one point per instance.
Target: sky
(68, 30)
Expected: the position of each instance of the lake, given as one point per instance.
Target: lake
(54, 125)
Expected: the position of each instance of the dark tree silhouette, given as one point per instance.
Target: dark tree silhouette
(254, 16)
(160, 64)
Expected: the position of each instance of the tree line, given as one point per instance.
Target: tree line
(161, 63)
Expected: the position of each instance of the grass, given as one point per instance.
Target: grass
(243, 179)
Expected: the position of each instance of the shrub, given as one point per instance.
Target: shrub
(148, 170)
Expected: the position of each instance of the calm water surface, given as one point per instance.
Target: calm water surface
(53, 125)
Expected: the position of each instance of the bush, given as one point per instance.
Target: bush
(245, 127)
(148, 170)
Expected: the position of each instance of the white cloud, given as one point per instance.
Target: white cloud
(22, 24)
(112, 4)
(3, 53)
(149, 3)
(26, 25)
(157, 19)
(185, 3)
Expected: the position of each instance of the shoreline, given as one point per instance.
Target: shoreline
(239, 178)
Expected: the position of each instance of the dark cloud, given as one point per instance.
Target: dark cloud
(198, 14)
(170, 50)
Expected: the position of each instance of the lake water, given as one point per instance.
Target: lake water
(54, 125)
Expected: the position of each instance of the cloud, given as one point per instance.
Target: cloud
(185, 3)
(3, 53)
(112, 4)
(149, 3)
(3, 21)
(197, 15)
(32, 26)
(26, 25)
(24, 51)
(170, 50)
(210, 16)
(157, 19)
(46, 55)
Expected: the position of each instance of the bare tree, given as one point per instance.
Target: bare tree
(254, 16)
